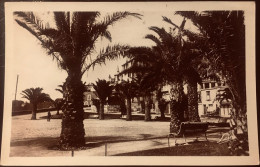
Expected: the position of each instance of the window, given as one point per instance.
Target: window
(199, 97)
(206, 85)
(213, 84)
(207, 95)
(89, 97)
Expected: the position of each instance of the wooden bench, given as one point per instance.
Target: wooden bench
(190, 128)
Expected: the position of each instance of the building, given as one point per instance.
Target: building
(121, 75)
(208, 91)
(89, 95)
(137, 102)
(208, 102)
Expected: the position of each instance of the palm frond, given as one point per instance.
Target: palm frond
(110, 53)
(112, 19)
(35, 95)
(31, 23)
(154, 39)
(103, 89)
(166, 19)
(62, 21)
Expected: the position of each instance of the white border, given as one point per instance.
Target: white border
(248, 7)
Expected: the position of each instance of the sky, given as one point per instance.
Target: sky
(36, 69)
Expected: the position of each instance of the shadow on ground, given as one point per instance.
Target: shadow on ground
(91, 142)
(192, 149)
(38, 142)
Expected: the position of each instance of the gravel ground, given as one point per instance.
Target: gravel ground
(35, 138)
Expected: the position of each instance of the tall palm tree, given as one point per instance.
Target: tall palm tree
(35, 96)
(223, 44)
(161, 65)
(72, 43)
(104, 91)
(189, 60)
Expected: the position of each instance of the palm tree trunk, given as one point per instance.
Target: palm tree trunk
(162, 108)
(193, 113)
(147, 109)
(177, 113)
(72, 129)
(122, 107)
(162, 113)
(128, 109)
(34, 110)
(101, 111)
(142, 106)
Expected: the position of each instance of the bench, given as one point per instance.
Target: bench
(189, 128)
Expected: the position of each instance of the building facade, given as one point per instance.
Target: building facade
(208, 103)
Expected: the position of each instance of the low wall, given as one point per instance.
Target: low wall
(24, 112)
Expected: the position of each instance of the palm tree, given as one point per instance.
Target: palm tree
(223, 44)
(72, 43)
(118, 98)
(162, 103)
(189, 60)
(128, 90)
(58, 103)
(104, 91)
(35, 96)
(142, 88)
(161, 65)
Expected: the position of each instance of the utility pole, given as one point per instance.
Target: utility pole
(15, 92)
(16, 87)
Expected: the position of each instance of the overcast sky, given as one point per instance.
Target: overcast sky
(36, 69)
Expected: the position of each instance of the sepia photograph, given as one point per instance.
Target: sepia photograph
(130, 83)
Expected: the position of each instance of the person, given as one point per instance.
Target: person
(49, 116)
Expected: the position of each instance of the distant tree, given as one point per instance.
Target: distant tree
(162, 103)
(103, 90)
(120, 99)
(128, 91)
(35, 96)
(96, 103)
(17, 105)
(58, 103)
